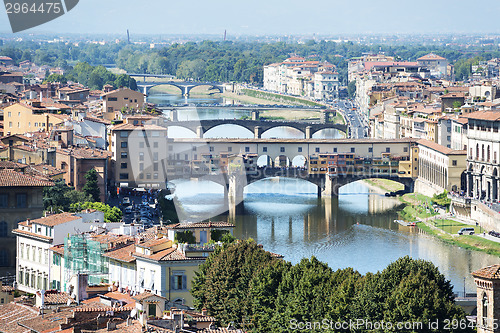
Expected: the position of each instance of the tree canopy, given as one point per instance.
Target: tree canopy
(91, 187)
(245, 285)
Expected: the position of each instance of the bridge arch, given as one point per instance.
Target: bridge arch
(181, 132)
(211, 87)
(181, 88)
(216, 131)
(327, 133)
(267, 133)
(299, 161)
(282, 161)
(265, 161)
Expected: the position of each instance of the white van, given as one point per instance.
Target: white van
(466, 231)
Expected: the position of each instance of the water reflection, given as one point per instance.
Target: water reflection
(354, 230)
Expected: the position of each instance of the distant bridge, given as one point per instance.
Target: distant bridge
(184, 86)
(258, 127)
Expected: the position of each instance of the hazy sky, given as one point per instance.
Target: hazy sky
(275, 17)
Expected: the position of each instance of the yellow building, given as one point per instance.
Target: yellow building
(33, 116)
(123, 99)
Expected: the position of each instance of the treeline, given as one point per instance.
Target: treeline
(228, 61)
(247, 286)
(94, 77)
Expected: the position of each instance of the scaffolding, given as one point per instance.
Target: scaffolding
(84, 255)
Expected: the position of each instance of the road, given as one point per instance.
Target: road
(357, 129)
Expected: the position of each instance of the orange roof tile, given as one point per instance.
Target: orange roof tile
(491, 272)
(11, 178)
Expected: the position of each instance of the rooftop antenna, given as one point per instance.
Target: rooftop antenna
(128, 36)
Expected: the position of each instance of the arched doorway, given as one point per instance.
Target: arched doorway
(299, 161)
(494, 180)
(265, 161)
(282, 161)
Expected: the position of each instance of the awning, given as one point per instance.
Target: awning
(123, 184)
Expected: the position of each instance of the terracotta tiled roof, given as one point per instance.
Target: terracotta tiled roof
(431, 56)
(56, 219)
(145, 295)
(57, 249)
(11, 313)
(11, 165)
(485, 115)
(54, 297)
(131, 127)
(49, 323)
(217, 224)
(97, 120)
(439, 148)
(46, 170)
(491, 272)
(11, 178)
(153, 242)
(85, 153)
(99, 307)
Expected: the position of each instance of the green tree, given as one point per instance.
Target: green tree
(61, 197)
(111, 214)
(222, 283)
(91, 187)
(351, 89)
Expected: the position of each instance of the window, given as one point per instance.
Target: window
(4, 258)
(141, 166)
(4, 200)
(334, 150)
(123, 134)
(124, 155)
(264, 149)
(178, 281)
(155, 144)
(405, 149)
(123, 175)
(282, 149)
(112, 99)
(155, 176)
(316, 149)
(388, 149)
(155, 156)
(124, 144)
(454, 162)
(229, 149)
(141, 156)
(155, 165)
(247, 149)
(300, 149)
(353, 149)
(4, 229)
(370, 150)
(485, 309)
(123, 165)
(21, 199)
(193, 148)
(148, 176)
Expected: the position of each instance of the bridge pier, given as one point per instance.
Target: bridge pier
(235, 189)
(257, 131)
(199, 132)
(331, 187)
(174, 115)
(308, 132)
(145, 90)
(255, 115)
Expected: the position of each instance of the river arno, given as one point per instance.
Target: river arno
(354, 230)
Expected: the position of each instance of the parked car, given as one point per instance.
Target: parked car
(466, 231)
(128, 210)
(126, 201)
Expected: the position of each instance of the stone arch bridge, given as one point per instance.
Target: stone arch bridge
(258, 127)
(184, 86)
